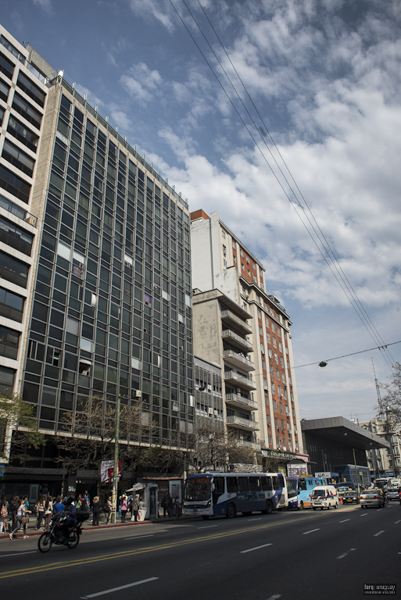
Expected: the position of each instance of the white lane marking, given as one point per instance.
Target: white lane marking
(364, 515)
(117, 589)
(345, 520)
(345, 553)
(18, 553)
(258, 519)
(139, 537)
(396, 523)
(206, 526)
(256, 548)
(274, 597)
(378, 533)
(311, 531)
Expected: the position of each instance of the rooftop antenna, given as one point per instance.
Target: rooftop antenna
(379, 400)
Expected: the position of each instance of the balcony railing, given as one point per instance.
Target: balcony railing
(230, 317)
(241, 402)
(237, 379)
(238, 360)
(241, 423)
(237, 340)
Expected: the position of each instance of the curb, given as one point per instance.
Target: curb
(5, 536)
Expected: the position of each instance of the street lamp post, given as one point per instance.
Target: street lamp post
(115, 470)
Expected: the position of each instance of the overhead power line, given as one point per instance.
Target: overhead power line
(318, 237)
(327, 360)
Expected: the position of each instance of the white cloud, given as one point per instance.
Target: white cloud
(158, 9)
(141, 82)
(46, 5)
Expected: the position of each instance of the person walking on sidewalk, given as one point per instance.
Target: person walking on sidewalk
(135, 507)
(3, 516)
(40, 510)
(96, 508)
(124, 508)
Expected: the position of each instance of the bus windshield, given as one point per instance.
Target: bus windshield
(292, 487)
(198, 489)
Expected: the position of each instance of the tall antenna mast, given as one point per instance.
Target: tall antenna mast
(379, 400)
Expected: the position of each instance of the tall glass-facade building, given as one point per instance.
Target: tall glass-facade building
(95, 267)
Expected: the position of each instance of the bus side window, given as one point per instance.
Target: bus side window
(218, 486)
(267, 484)
(302, 484)
(243, 484)
(280, 481)
(232, 486)
(254, 484)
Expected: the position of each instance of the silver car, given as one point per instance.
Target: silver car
(373, 497)
(392, 494)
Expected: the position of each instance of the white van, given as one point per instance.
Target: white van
(324, 496)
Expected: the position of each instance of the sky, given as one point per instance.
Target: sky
(284, 116)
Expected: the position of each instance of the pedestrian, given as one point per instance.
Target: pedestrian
(48, 512)
(15, 523)
(16, 513)
(96, 508)
(25, 515)
(86, 501)
(79, 502)
(170, 506)
(58, 507)
(40, 511)
(165, 504)
(3, 516)
(177, 508)
(107, 509)
(124, 508)
(135, 507)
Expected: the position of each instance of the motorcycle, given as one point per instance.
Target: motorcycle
(56, 533)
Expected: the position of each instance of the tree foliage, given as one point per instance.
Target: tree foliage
(216, 448)
(18, 428)
(87, 436)
(391, 402)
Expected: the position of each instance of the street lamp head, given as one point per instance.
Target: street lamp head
(323, 364)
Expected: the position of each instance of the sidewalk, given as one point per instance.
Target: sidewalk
(87, 526)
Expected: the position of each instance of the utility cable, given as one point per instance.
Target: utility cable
(344, 284)
(324, 362)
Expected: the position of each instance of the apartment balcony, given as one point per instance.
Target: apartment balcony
(237, 341)
(239, 361)
(252, 445)
(241, 402)
(244, 424)
(239, 380)
(230, 317)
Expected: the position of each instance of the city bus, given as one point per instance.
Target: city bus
(226, 494)
(299, 490)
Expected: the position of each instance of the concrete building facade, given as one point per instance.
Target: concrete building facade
(223, 270)
(384, 462)
(95, 269)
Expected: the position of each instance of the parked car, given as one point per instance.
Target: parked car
(350, 497)
(372, 497)
(392, 494)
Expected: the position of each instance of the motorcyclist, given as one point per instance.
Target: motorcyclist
(70, 516)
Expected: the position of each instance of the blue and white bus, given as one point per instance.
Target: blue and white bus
(299, 490)
(214, 494)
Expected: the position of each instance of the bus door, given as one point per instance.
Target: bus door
(257, 498)
(243, 494)
(218, 490)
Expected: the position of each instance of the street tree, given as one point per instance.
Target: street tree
(391, 402)
(87, 435)
(19, 433)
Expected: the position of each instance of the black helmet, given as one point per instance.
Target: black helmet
(68, 500)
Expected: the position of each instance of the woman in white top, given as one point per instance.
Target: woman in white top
(21, 513)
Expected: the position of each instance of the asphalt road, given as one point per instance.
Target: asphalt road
(287, 555)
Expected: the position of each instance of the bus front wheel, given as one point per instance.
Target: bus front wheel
(301, 505)
(269, 508)
(231, 511)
